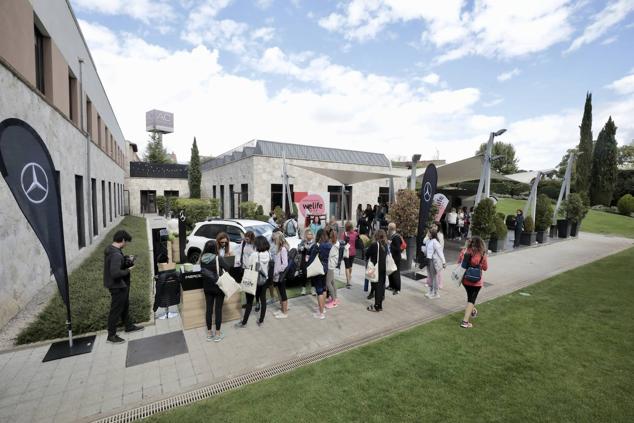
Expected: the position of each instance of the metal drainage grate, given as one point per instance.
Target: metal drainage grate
(252, 377)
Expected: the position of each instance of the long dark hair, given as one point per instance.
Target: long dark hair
(261, 244)
(476, 245)
(381, 237)
(210, 247)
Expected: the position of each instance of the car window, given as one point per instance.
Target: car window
(209, 231)
(234, 233)
(265, 230)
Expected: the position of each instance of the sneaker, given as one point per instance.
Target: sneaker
(281, 316)
(331, 304)
(395, 292)
(313, 292)
(133, 328)
(115, 339)
(260, 323)
(434, 296)
(275, 313)
(348, 286)
(210, 336)
(474, 313)
(465, 325)
(303, 291)
(329, 300)
(240, 325)
(219, 336)
(257, 307)
(320, 316)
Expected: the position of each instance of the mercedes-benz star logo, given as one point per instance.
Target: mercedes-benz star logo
(34, 182)
(182, 216)
(427, 191)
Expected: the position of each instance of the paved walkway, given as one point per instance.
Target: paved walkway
(91, 386)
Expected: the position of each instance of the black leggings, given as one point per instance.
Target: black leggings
(214, 298)
(281, 286)
(260, 293)
(472, 293)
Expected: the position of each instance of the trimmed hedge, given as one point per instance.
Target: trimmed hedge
(196, 210)
(626, 204)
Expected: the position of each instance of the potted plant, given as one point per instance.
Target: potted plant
(404, 213)
(529, 236)
(483, 219)
(576, 210)
(543, 217)
(563, 225)
(510, 222)
(498, 237)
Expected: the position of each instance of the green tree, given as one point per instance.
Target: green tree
(483, 221)
(583, 163)
(625, 158)
(194, 172)
(155, 152)
(604, 167)
(563, 164)
(506, 164)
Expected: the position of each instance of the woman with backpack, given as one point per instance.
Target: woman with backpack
(377, 253)
(475, 259)
(259, 261)
(435, 263)
(320, 251)
(281, 264)
(212, 266)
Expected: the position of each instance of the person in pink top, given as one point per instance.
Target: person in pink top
(350, 236)
(476, 254)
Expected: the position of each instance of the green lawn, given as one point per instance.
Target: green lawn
(562, 354)
(89, 300)
(596, 221)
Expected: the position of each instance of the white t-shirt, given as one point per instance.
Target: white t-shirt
(434, 247)
(452, 218)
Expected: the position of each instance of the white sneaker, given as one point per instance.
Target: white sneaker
(434, 296)
(275, 313)
(320, 316)
(428, 294)
(303, 291)
(281, 315)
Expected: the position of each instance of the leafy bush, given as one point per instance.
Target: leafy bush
(248, 209)
(543, 213)
(262, 217)
(500, 215)
(500, 231)
(215, 206)
(160, 204)
(433, 211)
(626, 204)
(279, 215)
(575, 208)
(510, 221)
(549, 187)
(404, 213)
(529, 225)
(196, 210)
(260, 211)
(483, 221)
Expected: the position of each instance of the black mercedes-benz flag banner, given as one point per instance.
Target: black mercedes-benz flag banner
(427, 192)
(28, 170)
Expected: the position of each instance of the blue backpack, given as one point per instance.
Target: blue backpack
(473, 273)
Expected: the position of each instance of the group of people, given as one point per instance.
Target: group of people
(275, 265)
(458, 222)
(370, 220)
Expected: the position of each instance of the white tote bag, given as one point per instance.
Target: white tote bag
(226, 283)
(390, 265)
(457, 274)
(315, 268)
(249, 281)
(372, 271)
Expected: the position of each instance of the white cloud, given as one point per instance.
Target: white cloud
(505, 76)
(263, 4)
(431, 78)
(145, 11)
(624, 85)
(603, 21)
(491, 28)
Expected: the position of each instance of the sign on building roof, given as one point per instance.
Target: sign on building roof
(159, 121)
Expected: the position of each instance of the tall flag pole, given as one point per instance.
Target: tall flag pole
(427, 192)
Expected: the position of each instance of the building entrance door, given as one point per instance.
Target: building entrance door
(148, 201)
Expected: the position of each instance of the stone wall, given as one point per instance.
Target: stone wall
(24, 266)
(160, 185)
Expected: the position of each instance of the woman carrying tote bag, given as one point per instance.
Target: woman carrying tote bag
(377, 253)
(259, 261)
(317, 278)
(214, 297)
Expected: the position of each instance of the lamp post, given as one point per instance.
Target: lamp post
(485, 174)
(412, 181)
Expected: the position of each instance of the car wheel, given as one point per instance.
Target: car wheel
(193, 256)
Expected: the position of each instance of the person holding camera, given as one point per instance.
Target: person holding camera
(116, 278)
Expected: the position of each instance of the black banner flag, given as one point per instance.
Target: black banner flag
(182, 235)
(28, 170)
(427, 192)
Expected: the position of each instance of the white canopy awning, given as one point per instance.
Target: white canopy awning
(349, 177)
(527, 177)
(462, 171)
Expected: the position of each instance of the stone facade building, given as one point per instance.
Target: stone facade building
(42, 84)
(147, 181)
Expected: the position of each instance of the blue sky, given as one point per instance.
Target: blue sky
(393, 76)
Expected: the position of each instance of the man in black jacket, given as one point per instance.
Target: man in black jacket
(116, 278)
(395, 248)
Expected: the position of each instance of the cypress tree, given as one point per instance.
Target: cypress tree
(604, 165)
(155, 152)
(194, 172)
(583, 163)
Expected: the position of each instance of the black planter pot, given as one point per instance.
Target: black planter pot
(528, 238)
(411, 253)
(563, 228)
(541, 237)
(574, 226)
(553, 231)
(496, 245)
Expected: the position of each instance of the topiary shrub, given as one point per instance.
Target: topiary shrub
(215, 206)
(404, 213)
(510, 221)
(626, 204)
(500, 231)
(529, 225)
(260, 211)
(483, 220)
(279, 215)
(248, 209)
(196, 210)
(575, 208)
(543, 213)
(160, 204)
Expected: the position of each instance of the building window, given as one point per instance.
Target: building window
(244, 189)
(384, 195)
(110, 199)
(214, 191)
(148, 201)
(89, 118)
(222, 201)
(79, 202)
(336, 203)
(39, 60)
(72, 98)
(276, 197)
(99, 131)
(95, 215)
(103, 202)
(170, 194)
(232, 202)
(116, 195)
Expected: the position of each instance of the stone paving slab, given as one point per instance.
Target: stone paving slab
(91, 386)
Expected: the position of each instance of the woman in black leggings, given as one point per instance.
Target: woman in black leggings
(260, 261)
(214, 297)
